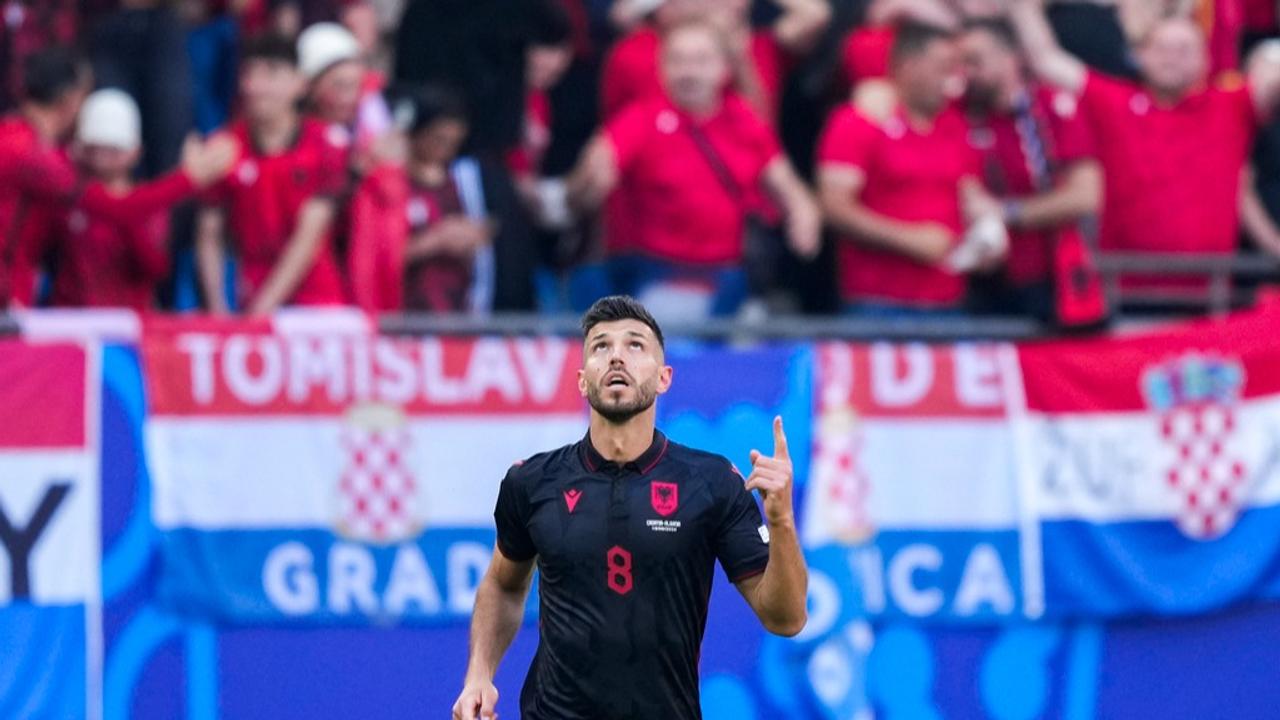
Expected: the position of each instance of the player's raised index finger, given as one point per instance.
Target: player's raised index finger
(779, 440)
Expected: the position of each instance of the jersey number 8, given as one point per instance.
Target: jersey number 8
(619, 573)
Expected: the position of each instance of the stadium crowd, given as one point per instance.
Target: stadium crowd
(712, 157)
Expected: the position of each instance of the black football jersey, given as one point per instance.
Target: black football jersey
(626, 555)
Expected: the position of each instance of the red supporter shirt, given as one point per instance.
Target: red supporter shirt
(438, 283)
(683, 212)
(1010, 170)
(113, 249)
(263, 196)
(1260, 15)
(866, 53)
(34, 179)
(631, 71)
(910, 176)
(1172, 173)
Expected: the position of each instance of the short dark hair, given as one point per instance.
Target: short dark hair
(620, 307)
(415, 107)
(50, 73)
(269, 47)
(912, 37)
(999, 28)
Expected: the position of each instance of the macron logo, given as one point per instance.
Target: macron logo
(571, 499)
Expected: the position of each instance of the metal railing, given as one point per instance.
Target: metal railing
(1222, 272)
(1229, 286)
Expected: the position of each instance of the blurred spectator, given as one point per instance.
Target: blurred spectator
(758, 58)
(342, 91)
(111, 246)
(141, 49)
(1173, 148)
(278, 201)
(548, 57)
(689, 160)
(414, 246)
(1037, 157)
(35, 174)
(904, 193)
(29, 27)
(866, 50)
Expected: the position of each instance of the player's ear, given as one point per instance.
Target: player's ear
(664, 378)
(582, 382)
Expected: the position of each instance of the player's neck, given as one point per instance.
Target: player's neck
(625, 442)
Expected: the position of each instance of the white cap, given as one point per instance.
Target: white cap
(324, 45)
(110, 117)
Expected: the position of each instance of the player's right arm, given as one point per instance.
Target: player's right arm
(1048, 60)
(498, 612)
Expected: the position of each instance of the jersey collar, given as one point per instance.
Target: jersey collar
(593, 461)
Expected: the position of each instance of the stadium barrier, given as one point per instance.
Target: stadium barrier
(288, 518)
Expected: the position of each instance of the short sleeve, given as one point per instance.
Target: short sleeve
(511, 518)
(741, 538)
(1071, 135)
(628, 133)
(848, 139)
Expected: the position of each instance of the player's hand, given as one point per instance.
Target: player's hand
(479, 699)
(772, 476)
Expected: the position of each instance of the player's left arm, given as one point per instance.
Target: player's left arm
(1263, 72)
(803, 217)
(309, 235)
(779, 594)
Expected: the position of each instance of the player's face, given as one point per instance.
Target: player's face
(623, 370)
(1173, 57)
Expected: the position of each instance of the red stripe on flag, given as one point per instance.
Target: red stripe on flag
(1115, 374)
(41, 395)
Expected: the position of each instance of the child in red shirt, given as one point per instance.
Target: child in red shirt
(112, 243)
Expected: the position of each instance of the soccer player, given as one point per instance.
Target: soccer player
(625, 527)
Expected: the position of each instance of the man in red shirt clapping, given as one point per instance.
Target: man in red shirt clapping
(278, 202)
(903, 191)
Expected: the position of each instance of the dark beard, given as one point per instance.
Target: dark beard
(620, 414)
